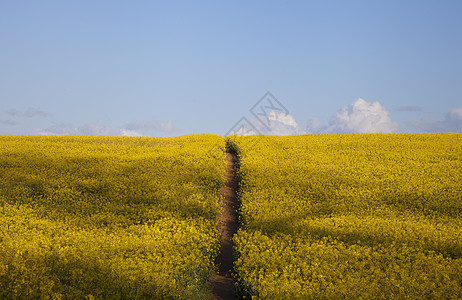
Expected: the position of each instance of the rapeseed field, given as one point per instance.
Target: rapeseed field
(108, 217)
(366, 216)
(350, 216)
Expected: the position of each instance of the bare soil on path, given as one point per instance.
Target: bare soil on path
(222, 283)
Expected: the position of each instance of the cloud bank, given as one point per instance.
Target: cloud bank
(128, 132)
(29, 113)
(451, 123)
(272, 123)
(279, 124)
(70, 129)
(133, 129)
(147, 126)
(361, 116)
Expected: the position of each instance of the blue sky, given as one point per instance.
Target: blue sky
(185, 67)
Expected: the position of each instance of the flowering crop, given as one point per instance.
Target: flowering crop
(324, 216)
(350, 216)
(108, 217)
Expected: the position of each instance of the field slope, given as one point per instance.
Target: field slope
(108, 217)
(350, 216)
(321, 216)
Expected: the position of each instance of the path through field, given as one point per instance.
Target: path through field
(222, 284)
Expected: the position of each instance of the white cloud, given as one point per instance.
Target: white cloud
(282, 118)
(29, 113)
(361, 116)
(243, 127)
(454, 119)
(95, 129)
(244, 132)
(128, 132)
(148, 125)
(272, 123)
(70, 129)
(451, 123)
(278, 124)
(315, 125)
(133, 129)
(59, 129)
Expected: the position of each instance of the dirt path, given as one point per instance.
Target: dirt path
(222, 284)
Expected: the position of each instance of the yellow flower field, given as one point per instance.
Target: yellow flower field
(322, 216)
(108, 217)
(350, 216)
